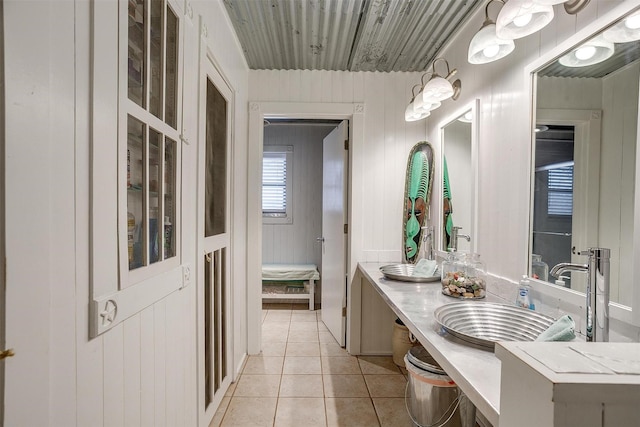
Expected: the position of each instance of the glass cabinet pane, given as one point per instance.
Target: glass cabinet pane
(136, 52)
(169, 196)
(155, 59)
(152, 148)
(155, 241)
(215, 162)
(135, 199)
(171, 68)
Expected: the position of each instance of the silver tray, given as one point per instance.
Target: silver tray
(485, 323)
(404, 273)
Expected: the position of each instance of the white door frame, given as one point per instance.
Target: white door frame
(258, 111)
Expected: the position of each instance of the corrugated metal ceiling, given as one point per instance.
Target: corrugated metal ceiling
(346, 35)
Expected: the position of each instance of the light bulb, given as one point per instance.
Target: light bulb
(491, 51)
(523, 20)
(633, 22)
(585, 52)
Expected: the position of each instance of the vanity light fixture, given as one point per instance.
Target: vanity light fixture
(438, 88)
(628, 30)
(410, 113)
(420, 105)
(519, 18)
(591, 52)
(466, 117)
(431, 94)
(486, 46)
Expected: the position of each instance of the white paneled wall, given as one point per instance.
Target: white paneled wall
(388, 140)
(296, 243)
(617, 173)
(143, 371)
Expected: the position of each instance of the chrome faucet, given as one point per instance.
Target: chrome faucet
(427, 241)
(455, 236)
(597, 305)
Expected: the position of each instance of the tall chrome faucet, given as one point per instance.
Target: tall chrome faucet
(597, 291)
(427, 241)
(455, 236)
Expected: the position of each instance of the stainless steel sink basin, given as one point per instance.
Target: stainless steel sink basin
(485, 323)
(404, 272)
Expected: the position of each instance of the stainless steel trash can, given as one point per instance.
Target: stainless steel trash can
(433, 399)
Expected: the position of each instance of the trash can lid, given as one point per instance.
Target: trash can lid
(420, 358)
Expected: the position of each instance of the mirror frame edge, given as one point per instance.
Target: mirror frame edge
(619, 312)
(474, 107)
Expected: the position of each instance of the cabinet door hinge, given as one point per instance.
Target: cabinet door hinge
(346, 228)
(344, 311)
(346, 144)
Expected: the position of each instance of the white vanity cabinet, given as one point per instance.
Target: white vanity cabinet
(567, 384)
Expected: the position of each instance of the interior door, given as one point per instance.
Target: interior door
(334, 220)
(214, 242)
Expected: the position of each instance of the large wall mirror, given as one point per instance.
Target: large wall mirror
(459, 179)
(585, 166)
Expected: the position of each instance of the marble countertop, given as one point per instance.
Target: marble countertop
(475, 370)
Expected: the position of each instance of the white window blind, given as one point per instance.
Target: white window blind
(560, 191)
(274, 184)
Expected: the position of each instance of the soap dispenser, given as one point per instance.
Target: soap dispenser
(523, 298)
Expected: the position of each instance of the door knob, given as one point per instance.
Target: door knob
(7, 353)
(320, 239)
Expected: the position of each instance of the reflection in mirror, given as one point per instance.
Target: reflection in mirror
(585, 163)
(457, 180)
(418, 181)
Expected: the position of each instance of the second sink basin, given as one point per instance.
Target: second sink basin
(485, 323)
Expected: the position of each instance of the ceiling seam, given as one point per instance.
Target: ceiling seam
(358, 33)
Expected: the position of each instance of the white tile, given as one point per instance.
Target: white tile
(332, 349)
(378, 365)
(271, 365)
(340, 365)
(304, 326)
(303, 349)
(270, 348)
(301, 386)
(303, 336)
(302, 365)
(297, 412)
(309, 316)
(344, 386)
(392, 412)
(386, 385)
(258, 386)
(250, 411)
(350, 412)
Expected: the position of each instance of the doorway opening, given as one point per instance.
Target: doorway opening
(292, 202)
(304, 213)
(353, 161)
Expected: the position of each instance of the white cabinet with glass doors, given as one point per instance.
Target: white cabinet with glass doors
(138, 104)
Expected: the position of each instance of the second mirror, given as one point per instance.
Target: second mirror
(458, 182)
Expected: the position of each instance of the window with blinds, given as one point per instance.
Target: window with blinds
(276, 184)
(560, 191)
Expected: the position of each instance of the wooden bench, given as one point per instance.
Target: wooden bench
(283, 273)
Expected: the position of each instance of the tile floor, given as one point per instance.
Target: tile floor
(303, 378)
